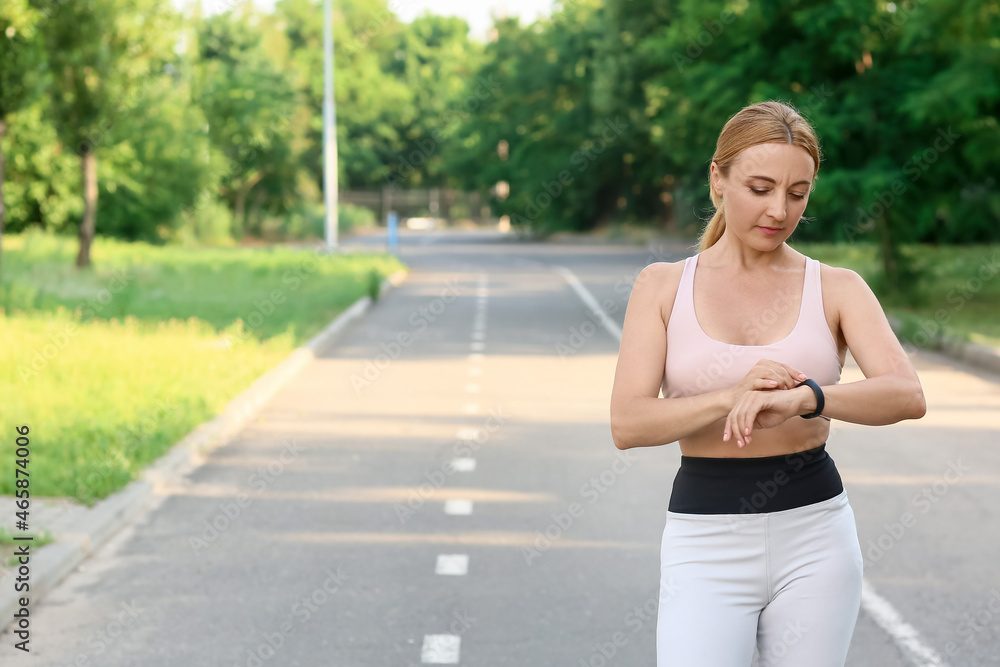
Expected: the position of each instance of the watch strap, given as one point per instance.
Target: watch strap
(819, 397)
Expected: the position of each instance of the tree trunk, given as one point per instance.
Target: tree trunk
(253, 217)
(890, 261)
(239, 208)
(240, 203)
(88, 165)
(3, 131)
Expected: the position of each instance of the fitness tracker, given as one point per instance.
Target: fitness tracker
(819, 398)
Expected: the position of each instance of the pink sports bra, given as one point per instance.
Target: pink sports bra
(697, 363)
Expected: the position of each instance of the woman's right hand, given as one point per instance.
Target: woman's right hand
(766, 374)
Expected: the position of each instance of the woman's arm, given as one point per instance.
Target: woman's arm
(891, 391)
(876, 401)
(639, 418)
(642, 421)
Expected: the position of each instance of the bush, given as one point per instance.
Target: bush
(351, 217)
(208, 222)
(309, 220)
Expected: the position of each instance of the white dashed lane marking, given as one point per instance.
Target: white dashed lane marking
(457, 506)
(463, 464)
(453, 564)
(440, 649)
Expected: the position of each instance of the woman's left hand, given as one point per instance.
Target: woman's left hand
(761, 409)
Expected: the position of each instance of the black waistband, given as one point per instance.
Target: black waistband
(735, 485)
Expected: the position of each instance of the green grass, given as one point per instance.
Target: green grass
(958, 290)
(9, 546)
(109, 367)
(217, 286)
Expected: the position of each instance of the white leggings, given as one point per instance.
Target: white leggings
(787, 582)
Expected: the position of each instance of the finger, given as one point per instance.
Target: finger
(791, 370)
(732, 427)
(737, 421)
(744, 431)
(794, 374)
(750, 414)
(778, 374)
(788, 379)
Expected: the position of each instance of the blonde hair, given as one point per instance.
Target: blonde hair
(764, 122)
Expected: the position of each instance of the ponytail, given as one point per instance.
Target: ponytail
(713, 231)
(716, 225)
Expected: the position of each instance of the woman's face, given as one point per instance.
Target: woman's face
(767, 187)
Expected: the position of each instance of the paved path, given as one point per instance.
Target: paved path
(434, 489)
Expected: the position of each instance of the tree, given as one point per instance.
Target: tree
(373, 107)
(433, 57)
(101, 52)
(714, 61)
(622, 72)
(563, 160)
(249, 104)
(19, 59)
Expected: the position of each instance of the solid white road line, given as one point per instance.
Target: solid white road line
(904, 634)
(589, 300)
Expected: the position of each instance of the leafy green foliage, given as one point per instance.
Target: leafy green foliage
(606, 112)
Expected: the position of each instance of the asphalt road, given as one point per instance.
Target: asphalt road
(442, 485)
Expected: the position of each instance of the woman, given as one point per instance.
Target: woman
(747, 340)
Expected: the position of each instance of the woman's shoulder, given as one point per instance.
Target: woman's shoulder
(839, 278)
(832, 275)
(840, 286)
(663, 269)
(664, 275)
(662, 280)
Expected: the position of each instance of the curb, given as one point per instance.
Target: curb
(52, 562)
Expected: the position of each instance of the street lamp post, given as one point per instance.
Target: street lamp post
(329, 131)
